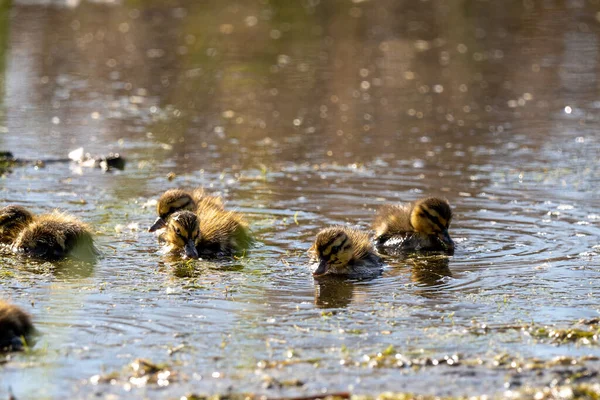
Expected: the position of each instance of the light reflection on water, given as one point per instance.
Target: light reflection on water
(304, 117)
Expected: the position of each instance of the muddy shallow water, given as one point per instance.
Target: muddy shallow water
(303, 116)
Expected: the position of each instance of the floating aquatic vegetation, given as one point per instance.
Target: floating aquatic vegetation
(556, 392)
(391, 358)
(584, 332)
(139, 373)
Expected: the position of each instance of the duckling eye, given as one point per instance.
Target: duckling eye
(178, 231)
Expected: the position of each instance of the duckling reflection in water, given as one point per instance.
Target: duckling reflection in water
(48, 237)
(430, 271)
(15, 327)
(198, 225)
(334, 292)
(419, 226)
(344, 251)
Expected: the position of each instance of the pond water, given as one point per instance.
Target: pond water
(303, 115)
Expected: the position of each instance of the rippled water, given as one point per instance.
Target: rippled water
(303, 116)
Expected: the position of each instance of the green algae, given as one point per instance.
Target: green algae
(557, 392)
(583, 332)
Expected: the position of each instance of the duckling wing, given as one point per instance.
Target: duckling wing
(222, 232)
(392, 220)
(370, 266)
(395, 241)
(400, 244)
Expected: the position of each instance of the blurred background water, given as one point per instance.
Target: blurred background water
(304, 114)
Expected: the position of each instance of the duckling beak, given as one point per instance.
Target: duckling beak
(321, 269)
(446, 241)
(190, 249)
(159, 223)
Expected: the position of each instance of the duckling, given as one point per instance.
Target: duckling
(419, 226)
(211, 232)
(49, 237)
(177, 199)
(12, 221)
(15, 325)
(340, 250)
(182, 233)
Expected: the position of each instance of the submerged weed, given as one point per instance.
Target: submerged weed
(583, 332)
(139, 373)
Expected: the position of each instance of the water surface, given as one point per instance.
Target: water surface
(301, 116)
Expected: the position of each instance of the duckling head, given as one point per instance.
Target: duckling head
(334, 249)
(12, 220)
(170, 202)
(183, 233)
(16, 328)
(432, 216)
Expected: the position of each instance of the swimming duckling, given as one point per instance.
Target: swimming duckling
(177, 199)
(49, 237)
(345, 251)
(211, 232)
(56, 236)
(419, 226)
(12, 221)
(15, 325)
(182, 233)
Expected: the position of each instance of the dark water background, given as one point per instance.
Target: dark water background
(304, 114)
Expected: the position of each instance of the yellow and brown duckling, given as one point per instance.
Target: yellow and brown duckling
(48, 237)
(345, 251)
(197, 225)
(419, 226)
(174, 200)
(15, 327)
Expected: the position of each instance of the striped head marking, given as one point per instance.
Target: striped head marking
(431, 216)
(334, 249)
(174, 200)
(171, 201)
(183, 232)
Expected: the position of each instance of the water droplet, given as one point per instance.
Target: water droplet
(251, 20)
